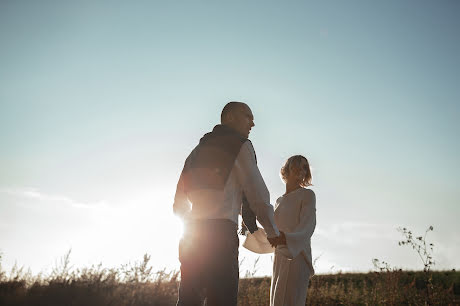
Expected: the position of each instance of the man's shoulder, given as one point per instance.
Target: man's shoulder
(247, 149)
(248, 144)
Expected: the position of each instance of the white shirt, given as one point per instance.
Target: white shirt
(244, 178)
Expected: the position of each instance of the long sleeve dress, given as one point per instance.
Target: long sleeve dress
(295, 215)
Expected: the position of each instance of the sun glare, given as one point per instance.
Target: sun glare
(178, 227)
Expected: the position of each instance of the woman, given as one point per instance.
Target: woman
(295, 216)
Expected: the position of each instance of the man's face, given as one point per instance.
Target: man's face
(243, 120)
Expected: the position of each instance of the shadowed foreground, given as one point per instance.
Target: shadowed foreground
(130, 286)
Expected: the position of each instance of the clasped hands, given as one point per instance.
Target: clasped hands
(279, 240)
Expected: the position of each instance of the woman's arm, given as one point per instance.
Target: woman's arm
(298, 239)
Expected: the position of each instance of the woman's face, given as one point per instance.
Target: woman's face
(297, 172)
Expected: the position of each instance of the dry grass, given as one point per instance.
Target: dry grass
(132, 284)
(386, 288)
(136, 284)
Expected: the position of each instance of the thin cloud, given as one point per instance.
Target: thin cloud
(35, 194)
(358, 230)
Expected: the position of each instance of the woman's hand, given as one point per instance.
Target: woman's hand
(279, 240)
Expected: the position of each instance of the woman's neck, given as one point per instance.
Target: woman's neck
(292, 186)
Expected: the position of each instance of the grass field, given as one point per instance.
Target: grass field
(137, 284)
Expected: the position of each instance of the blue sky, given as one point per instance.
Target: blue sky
(100, 103)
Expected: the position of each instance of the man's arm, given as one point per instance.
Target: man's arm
(181, 206)
(255, 189)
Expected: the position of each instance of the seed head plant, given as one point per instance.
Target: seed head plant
(419, 244)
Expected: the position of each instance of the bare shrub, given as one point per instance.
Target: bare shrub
(419, 244)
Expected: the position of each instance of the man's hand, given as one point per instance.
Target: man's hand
(273, 241)
(279, 240)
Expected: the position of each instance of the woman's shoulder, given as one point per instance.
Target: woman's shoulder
(306, 191)
(278, 202)
(308, 194)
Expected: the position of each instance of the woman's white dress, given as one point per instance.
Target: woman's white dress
(295, 215)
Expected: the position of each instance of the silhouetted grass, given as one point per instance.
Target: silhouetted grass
(132, 284)
(136, 284)
(386, 288)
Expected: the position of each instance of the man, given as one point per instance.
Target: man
(218, 175)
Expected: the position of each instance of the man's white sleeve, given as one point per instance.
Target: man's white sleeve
(255, 189)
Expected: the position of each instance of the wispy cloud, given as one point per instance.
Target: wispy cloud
(35, 194)
(349, 232)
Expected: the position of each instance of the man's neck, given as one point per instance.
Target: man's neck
(233, 129)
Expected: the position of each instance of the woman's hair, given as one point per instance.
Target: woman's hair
(295, 161)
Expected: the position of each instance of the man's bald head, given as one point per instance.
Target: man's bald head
(229, 109)
(238, 116)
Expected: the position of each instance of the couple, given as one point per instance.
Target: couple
(221, 180)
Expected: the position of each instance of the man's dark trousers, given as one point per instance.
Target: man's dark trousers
(208, 253)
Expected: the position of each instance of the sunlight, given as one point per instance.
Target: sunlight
(177, 228)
